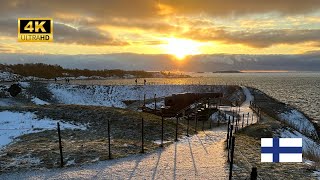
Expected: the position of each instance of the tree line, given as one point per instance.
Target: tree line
(52, 71)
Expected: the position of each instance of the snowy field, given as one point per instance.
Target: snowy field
(308, 145)
(14, 124)
(299, 122)
(114, 95)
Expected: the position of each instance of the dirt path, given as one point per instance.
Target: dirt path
(201, 156)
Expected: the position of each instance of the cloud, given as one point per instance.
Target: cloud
(153, 8)
(208, 62)
(64, 33)
(259, 39)
(67, 34)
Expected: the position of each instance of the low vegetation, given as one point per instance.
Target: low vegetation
(90, 145)
(52, 71)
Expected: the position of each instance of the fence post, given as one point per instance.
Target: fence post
(109, 140)
(188, 126)
(232, 153)
(230, 141)
(252, 118)
(219, 119)
(228, 133)
(155, 103)
(254, 174)
(242, 120)
(144, 100)
(202, 124)
(142, 136)
(232, 117)
(196, 125)
(177, 118)
(60, 145)
(248, 119)
(236, 127)
(162, 119)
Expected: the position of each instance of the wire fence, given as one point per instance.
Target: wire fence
(237, 122)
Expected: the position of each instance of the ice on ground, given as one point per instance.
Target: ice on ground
(308, 145)
(115, 95)
(298, 121)
(39, 101)
(14, 124)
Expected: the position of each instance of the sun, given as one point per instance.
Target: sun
(181, 48)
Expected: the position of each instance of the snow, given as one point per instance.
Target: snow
(39, 101)
(24, 84)
(299, 122)
(8, 76)
(244, 109)
(14, 124)
(115, 95)
(308, 145)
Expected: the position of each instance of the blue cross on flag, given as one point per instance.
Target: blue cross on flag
(281, 149)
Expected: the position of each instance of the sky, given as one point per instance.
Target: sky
(176, 27)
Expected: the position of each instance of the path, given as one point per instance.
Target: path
(201, 156)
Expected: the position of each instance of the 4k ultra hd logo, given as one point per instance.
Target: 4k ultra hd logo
(35, 29)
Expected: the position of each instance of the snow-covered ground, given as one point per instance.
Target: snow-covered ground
(299, 122)
(245, 112)
(308, 145)
(39, 101)
(14, 124)
(201, 156)
(7, 76)
(115, 95)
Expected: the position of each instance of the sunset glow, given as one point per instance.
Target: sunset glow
(181, 48)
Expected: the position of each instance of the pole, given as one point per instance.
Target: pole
(254, 174)
(242, 120)
(177, 118)
(155, 103)
(202, 124)
(236, 127)
(248, 119)
(109, 140)
(161, 145)
(231, 162)
(144, 100)
(142, 135)
(230, 141)
(60, 146)
(228, 133)
(196, 125)
(252, 118)
(188, 127)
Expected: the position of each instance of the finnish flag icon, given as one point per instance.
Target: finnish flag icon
(281, 149)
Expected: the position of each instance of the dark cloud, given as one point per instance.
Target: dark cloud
(236, 7)
(258, 39)
(150, 8)
(67, 34)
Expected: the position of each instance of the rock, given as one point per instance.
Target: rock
(14, 90)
